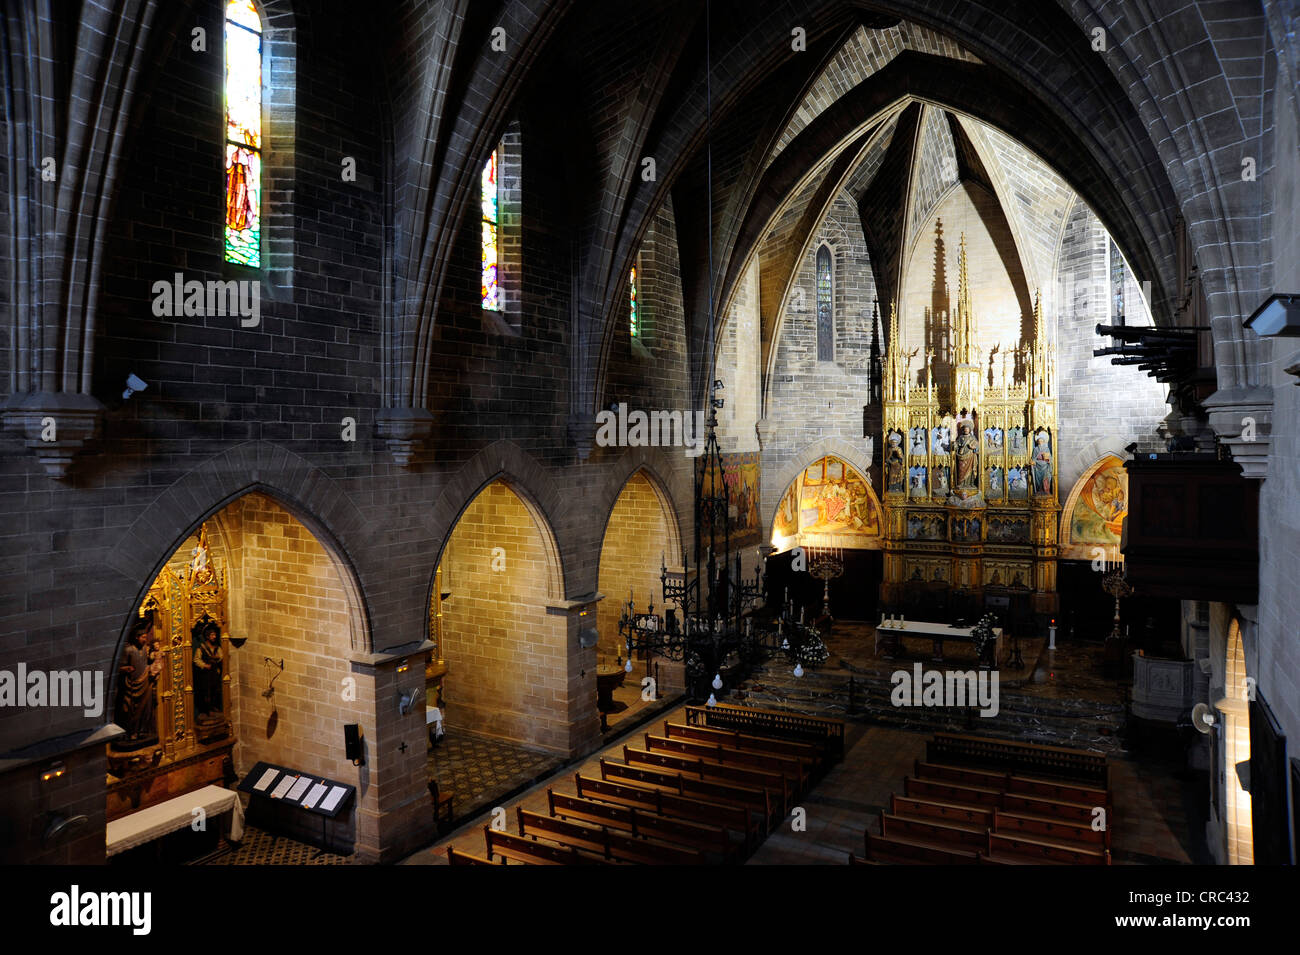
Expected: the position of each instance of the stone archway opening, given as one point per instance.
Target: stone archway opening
(641, 537)
(500, 690)
(238, 654)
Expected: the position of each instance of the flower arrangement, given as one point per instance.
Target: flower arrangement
(982, 636)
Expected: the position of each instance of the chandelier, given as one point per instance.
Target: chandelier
(708, 619)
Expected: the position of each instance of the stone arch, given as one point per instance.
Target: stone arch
(800, 460)
(503, 461)
(290, 480)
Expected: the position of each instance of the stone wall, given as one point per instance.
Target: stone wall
(507, 667)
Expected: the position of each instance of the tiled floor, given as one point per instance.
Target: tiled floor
(478, 771)
(262, 848)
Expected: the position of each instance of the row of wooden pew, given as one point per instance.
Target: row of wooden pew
(966, 815)
(690, 795)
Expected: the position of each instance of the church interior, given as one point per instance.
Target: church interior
(695, 432)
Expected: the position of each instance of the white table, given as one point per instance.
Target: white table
(145, 825)
(935, 632)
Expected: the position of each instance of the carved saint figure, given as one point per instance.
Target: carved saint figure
(1043, 463)
(207, 670)
(895, 479)
(918, 441)
(137, 676)
(968, 458)
(917, 477)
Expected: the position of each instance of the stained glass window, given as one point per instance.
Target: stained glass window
(825, 313)
(634, 306)
(243, 133)
(1118, 278)
(491, 235)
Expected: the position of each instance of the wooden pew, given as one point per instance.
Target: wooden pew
(934, 831)
(776, 783)
(1024, 805)
(988, 779)
(952, 792)
(938, 809)
(457, 857)
(1054, 829)
(807, 753)
(826, 734)
(1023, 848)
(612, 844)
(1031, 759)
(712, 839)
(758, 801)
(797, 771)
(529, 851)
(902, 850)
(733, 818)
(1061, 792)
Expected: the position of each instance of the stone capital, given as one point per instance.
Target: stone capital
(55, 426)
(404, 430)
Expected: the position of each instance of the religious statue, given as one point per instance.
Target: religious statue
(918, 442)
(941, 481)
(136, 678)
(968, 458)
(895, 479)
(941, 440)
(207, 671)
(1043, 463)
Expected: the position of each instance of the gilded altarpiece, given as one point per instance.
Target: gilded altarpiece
(173, 689)
(970, 464)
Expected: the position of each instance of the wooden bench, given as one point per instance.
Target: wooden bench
(733, 818)
(712, 839)
(775, 783)
(1044, 851)
(457, 857)
(890, 849)
(938, 809)
(988, 779)
(934, 831)
(796, 770)
(952, 792)
(531, 852)
(1024, 805)
(1054, 762)
(1061, 792)
(806, 753)
(1054, 829)
(758, 801)
(826, 734)
(611, 844)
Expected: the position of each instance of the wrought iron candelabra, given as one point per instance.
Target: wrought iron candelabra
(706, 620)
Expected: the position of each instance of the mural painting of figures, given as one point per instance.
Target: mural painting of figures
(1097, 511)
(993, 440)
(916, 481)
(917, 442)
(895, 476)
(831, 497)
(1043, 463)
(995, 484)
(940, 440)
(1016, 440)
(1017, 484)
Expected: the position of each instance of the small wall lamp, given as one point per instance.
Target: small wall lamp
(1278, 316)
